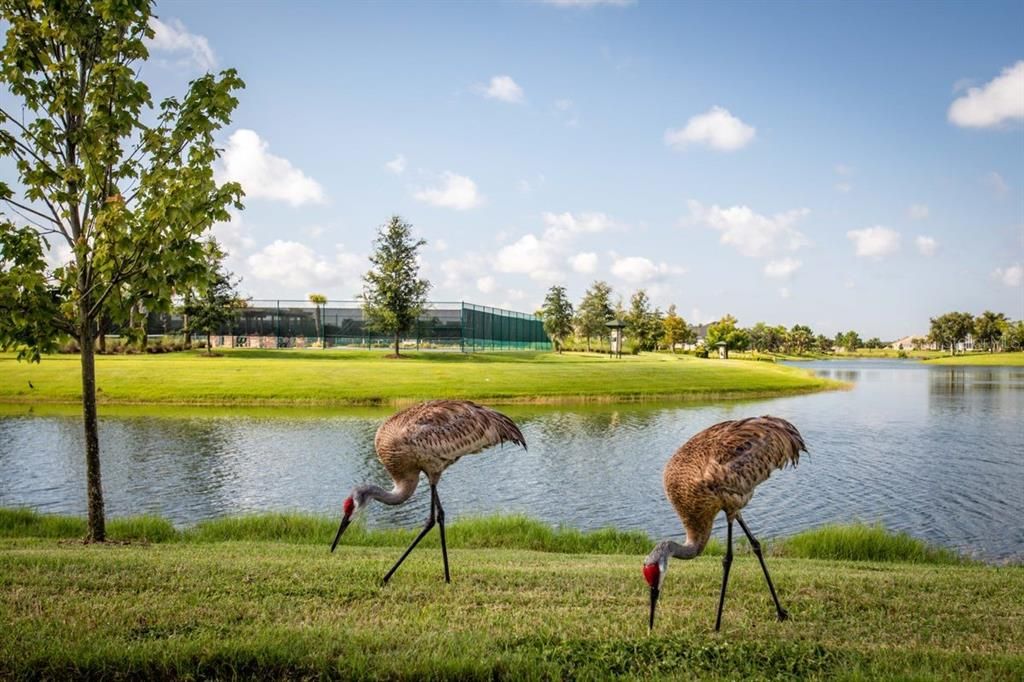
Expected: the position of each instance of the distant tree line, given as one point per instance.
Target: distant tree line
(647, 328)
(990, 331)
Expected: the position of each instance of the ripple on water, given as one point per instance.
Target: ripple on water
(933, 452)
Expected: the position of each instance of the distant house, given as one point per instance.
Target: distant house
(700, 334)
(907, 342)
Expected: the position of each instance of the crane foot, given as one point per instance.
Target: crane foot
(783, 615)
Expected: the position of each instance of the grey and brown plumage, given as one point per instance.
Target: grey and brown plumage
(428, 438)
(717, 470)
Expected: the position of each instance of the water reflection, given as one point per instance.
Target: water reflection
(935, 451)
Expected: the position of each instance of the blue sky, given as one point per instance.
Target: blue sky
(792, 163)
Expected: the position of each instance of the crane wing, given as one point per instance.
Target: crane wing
(447, 430)
(745, 452)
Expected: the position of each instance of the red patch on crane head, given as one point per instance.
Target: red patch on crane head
(651, 574)
(348, 506)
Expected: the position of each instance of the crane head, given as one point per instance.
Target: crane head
(654, 574)
(348, 508)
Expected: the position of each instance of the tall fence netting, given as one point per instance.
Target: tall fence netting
(341, 324)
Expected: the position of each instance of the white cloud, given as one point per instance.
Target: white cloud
(542, 257)
(589, 3)
(563, 104)
(232, 234)
(752, 234)
(998, 101)
(784, 292)
(247, 160)
(486, 284)
(456, 191)
(439, 245)
(997, 183)
(294, 265)
(1012, 276)
(844, 187)
(874, 242)
(585, 262)
(918, 211)
(172, 36)
(503, 88)
(782, 268)
(396, 165)
(639, 270)
(529, 256)
(716, 128)
(568, 222)
(843, 169)
(926, 246)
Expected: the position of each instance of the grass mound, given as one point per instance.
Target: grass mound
(863, 542)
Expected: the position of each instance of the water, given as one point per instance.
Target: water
(935, 451)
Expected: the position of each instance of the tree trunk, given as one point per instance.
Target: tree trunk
(94, 487)
(396, 344)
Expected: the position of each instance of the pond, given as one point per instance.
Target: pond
(935, 451)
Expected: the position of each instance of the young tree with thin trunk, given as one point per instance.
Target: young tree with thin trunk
(393, 295)
(557, 316)
(215, 300)
(674, 330)
(130, 194)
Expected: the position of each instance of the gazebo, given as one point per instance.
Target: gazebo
(616, 327)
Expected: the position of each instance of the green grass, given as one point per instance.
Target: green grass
(283, 377)
(852, 542)
(244, 608)
(982, 359)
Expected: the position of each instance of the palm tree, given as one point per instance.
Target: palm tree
(318, 300)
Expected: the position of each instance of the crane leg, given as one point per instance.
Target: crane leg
(426, 529)
(756, 546)
(726, 565)
(440, 524)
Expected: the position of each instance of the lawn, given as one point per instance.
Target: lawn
(284, 377)
(208, 607)
(982, 359)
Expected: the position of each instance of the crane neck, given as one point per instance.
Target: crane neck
(693, 546)
(402, 491)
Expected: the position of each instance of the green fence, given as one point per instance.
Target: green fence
(341, 324)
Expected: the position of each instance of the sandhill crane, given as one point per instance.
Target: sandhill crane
(429, 438)
(717, 470)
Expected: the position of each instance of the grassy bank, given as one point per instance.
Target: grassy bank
(853, 542)
(982, 359)
(240, 608)
(282, 377)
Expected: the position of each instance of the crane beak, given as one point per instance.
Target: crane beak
(654, 603)
(341, 529)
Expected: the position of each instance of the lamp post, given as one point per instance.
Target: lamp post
(616, 327)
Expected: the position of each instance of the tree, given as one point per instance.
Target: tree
(989, 328)
(674, 330)
(215, 300)
(1013, 337)
(318, 301)
(129, 192)
(874, 342)
(726, 330)
(823, 344)
(642, 323)
(950, 329)
(594, 311)
(557, 315)
(394, 296)
(849, 341)
(801, 338)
